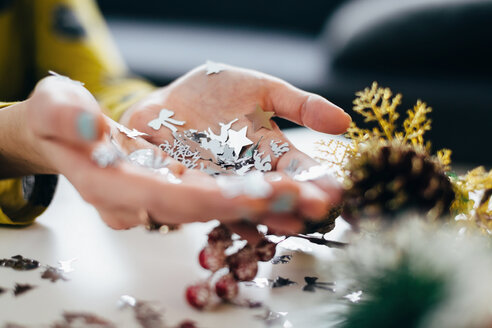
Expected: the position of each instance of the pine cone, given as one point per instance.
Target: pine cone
(325, 225)
(387, 178)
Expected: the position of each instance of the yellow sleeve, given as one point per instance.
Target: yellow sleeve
(72, 39)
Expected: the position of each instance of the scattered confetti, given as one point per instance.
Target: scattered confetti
(80, 319)
(279, 149)
(20, 289)
(282, 282)
(105, 155)
(281, 259)
(262, 164)
(165, 119)
(53, 274)
(238, 139)
(213, 67)
(19, 263)
(354, 297)
(260, 119)
(66, 266)
(132, 134)
(312, 283)
(272, 318)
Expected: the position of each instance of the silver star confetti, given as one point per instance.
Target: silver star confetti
(238, 139)
(213, 67)
(277, 149)
(165, 119)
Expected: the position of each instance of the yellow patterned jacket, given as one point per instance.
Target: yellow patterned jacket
(71, 38)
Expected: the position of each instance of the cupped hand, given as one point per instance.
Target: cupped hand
(204, 100)
(64, 125)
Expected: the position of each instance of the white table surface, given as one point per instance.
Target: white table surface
(147, 266)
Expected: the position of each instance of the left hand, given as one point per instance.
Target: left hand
(202, 101)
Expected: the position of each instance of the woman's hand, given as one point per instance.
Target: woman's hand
(56, 131)
(203, 101)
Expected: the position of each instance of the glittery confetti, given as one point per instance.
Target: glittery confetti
(354, 297)
(20, 289)
(281, 259)
(238, 139)
(165, 119)
(273, 318)
(213, 67)
(279, 149)
(252, 184)
(53, 274)
(132, 134)
(262, 164)
(260, 119)
(312, 284)
(105, 155)
(66, 266)
(20, 263)
(282, 282)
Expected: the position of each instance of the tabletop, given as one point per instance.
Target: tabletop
(151, 267)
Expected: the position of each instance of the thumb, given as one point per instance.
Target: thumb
(66, 113)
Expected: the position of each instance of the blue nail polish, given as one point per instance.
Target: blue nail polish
(86, 125)
(283, 203)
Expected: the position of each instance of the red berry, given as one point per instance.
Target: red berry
(227, 287)
(187, 324)
(265, 250)
(220, 236)
(198, 295)
(243, 264)
(212, 258)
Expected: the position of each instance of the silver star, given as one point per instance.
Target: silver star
(166, 120)
(238, 139)
(213, 67)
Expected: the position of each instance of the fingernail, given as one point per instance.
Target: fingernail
(86, 125)
(283, 203)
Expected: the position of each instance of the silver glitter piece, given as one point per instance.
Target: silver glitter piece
(244, 169)
(224, 131)
(65, 78)
(181, 152)
(165, 119)
(252, 185)
(278, 149)
(238, 139)
(132, 134)
(66, 266)
(215, 147)
(354, 297)
(313, 173)
(228, 155)
(275, 319)
(147, 158)
(213, 67)
(126, 301)
(262, 164)
(105, 155)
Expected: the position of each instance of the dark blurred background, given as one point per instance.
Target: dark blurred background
(439, 51)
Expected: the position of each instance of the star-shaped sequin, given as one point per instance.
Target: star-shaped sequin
(238, 139)
(260, 119)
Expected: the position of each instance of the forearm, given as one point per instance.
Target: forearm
(19, 155)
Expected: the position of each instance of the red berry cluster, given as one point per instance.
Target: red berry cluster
(242, 265)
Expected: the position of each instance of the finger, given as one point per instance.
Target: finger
(120, 219)
(70, 114)
(283, 224)
(307, 109)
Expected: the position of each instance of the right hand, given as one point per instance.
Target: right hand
(64, 124)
